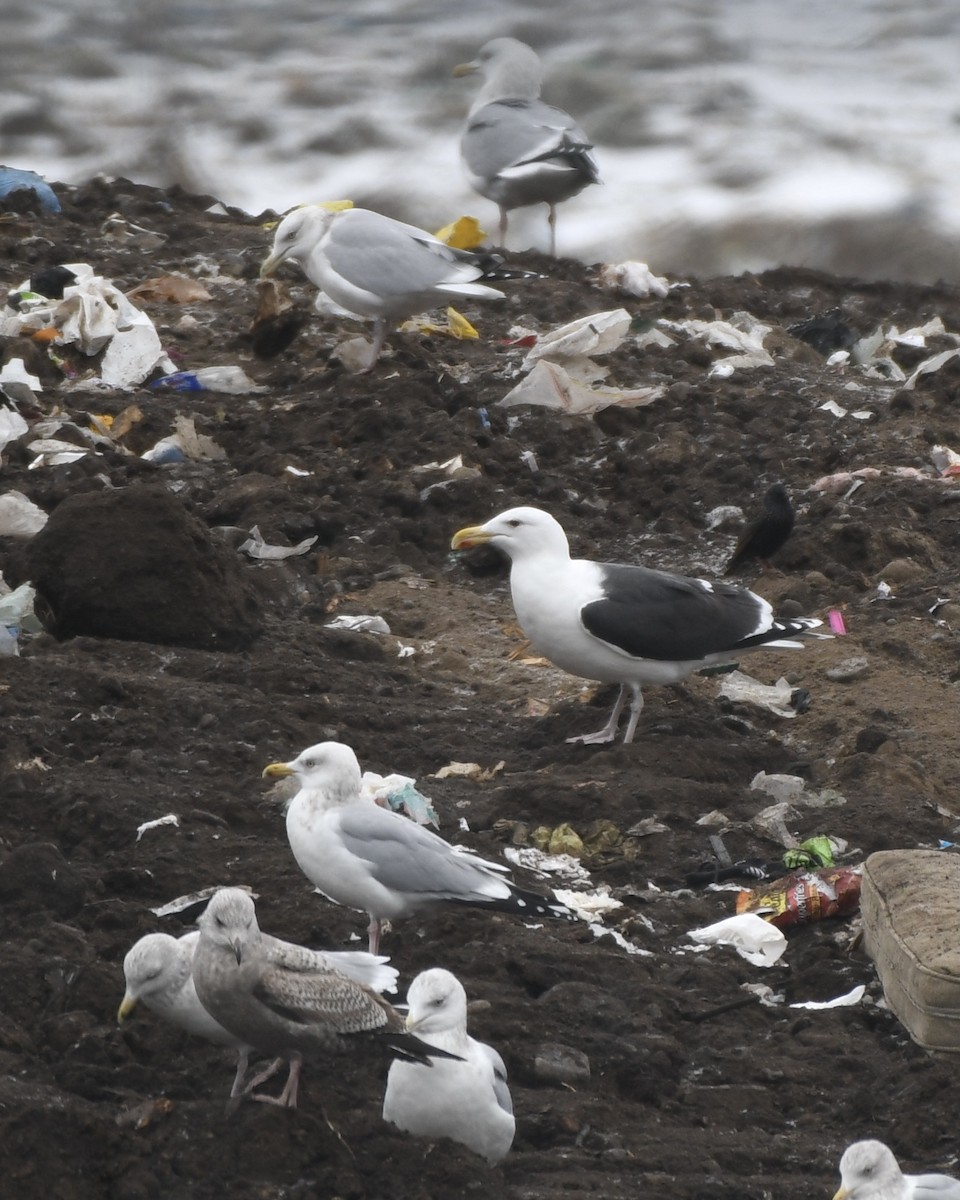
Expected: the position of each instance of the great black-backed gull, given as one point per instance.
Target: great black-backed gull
(623, 624)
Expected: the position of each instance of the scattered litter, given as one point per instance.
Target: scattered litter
(17, 616)
(185, 442)
(599, 931)
(169, 819)
(399, 793)
(231, 380)
(946, 461)
(361, 624)
(529, 460)
(785, 789)
(195, 900)
(463, 770)
(14, 180)
(457, 326)
(743, 333)
(589, 905)
(752, 937)
(53, 452)
(723, 514)
(831, 406)
(647, 827)
(836, 622)
(175, 289)
(634, 278)
(550, 386)
(256, 547)
(19, 516)
(118, 229)
(16, 382)
(935, 363)
(598, 333)
(12, 426)
(532, 859)
(405, 651)
(847, 1000)
(462, 234)
(744, 689)
(805, 896)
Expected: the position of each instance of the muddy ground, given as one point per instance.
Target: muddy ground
(101, 735)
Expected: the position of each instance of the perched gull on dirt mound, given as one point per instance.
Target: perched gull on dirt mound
(516, 149)
(623, 624)
(377, 861)
(375, 266)
(869, 1171)
(158, 970)
(289, 1007)
(466, 1100)
(766, 532)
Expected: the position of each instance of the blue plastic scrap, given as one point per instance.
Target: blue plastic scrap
(13, 180)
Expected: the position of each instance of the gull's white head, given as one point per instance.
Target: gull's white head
(297, 236)
(518, 532)
(230, 920)
(329, 767)
(869, 1171)
(510, 70)
(150, 967)
(437, 1003)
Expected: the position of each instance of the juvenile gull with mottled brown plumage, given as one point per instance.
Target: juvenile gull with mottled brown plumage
(286, 1009)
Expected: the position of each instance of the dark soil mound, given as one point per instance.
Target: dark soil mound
(134, 564)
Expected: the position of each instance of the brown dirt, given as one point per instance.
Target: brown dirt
(102, 735)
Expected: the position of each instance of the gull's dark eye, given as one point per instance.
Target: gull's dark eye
(514, 524)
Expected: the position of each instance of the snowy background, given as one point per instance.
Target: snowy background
(731, 134)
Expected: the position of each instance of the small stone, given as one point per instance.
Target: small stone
(848, 670)
(558, 1064)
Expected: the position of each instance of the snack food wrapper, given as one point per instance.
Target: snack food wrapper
(804, 896)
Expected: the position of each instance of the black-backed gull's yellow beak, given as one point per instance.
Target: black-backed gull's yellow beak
(466, 539)
(127, 1005)
(470, 68)
(276, 771)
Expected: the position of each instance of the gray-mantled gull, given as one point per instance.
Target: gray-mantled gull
(466, 1100)
(869, 1171)
(374, 266)
(517, 150)
(158, 971)
(623, 624)
(286, 1008)
(377, 861)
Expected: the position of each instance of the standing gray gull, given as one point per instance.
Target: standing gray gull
(158, 971)
(374, 266)
(517, 150)
(623, 624)
(766, 531)
(286, 1008)
(869, 1171)
(375, 860)
(467, 1098)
